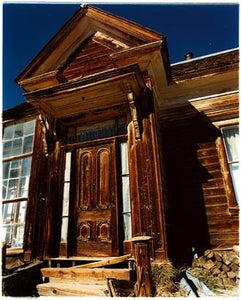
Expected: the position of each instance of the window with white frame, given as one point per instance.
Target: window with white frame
(17, 158)
(66, 198)
(125, 191)
(231, 142)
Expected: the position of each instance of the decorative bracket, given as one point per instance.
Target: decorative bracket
(49, 130)
(134, 114)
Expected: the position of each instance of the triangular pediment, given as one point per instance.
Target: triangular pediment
(92, 56)
(89, 27)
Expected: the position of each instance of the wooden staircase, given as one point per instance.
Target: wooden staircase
(104, 277)
(124, 276)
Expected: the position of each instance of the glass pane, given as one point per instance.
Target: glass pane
(8, 132)
(15, 164)
(17, 147)
(26, 166)
(18, 173)
(67, 166)
(126, 194)
(13, 223)
(4, 188)
(95, 131)
(18, 132)
(18, 233)
(124, 158)
(22, 211)
(71, 135)
(7, 213)
(127, 226)
(7, 149)
(6, 170)
(13, 183)
(28, 144)
(236, 177)
(231, 139)
(29, 127)
(24, 184)
(14, 173)
(66, 199)
(12, 189)
(122, 127)
(64, 229)
(7, 234)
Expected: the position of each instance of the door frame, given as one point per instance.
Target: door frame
(117, 243)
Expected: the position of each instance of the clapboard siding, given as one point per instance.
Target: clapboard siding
(89, 59)
(197, 201)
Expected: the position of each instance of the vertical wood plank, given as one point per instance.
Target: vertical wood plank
(144, 286)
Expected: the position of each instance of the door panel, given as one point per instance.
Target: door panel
(96, 200)
(103, 178)
(85, 183)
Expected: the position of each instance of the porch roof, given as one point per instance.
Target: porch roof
(102, 90)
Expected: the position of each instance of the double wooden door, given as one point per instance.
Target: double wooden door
(96, 201)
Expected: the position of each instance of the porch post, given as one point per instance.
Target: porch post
(142, 255)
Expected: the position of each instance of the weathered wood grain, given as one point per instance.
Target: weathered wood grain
(105, 262)
(71, 289)
(95, 273)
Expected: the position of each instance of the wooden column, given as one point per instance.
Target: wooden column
(146, 184)
(142, 254)
(3, 256)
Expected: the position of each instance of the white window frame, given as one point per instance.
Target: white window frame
(15, 206)
(232, 163)
(125, 184)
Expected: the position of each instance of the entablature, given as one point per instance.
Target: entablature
(100, 91)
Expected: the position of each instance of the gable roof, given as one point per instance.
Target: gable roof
(86, 22)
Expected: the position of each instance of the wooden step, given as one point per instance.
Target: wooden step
(80, 274)
(106, 262)
(72, 289)
(73, 261)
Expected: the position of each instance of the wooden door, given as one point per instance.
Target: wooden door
(96, 201)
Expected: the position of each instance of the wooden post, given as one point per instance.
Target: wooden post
(3, 256)
(144, 287)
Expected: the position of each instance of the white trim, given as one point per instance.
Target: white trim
(205, 56)
(226, 123)
(213, 96)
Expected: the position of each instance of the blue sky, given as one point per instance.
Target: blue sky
(202, 29)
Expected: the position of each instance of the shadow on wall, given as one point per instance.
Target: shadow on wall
(186, 134)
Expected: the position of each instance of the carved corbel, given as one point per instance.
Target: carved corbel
(148, 80)
(134, 114)
(49, 131)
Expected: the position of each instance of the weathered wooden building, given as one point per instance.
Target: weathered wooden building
(113, 142)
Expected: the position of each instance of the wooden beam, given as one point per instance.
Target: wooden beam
(97, 274)
(105, 262)
(71, 289)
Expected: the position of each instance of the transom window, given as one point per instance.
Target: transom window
(97, 131)
(17, 158)
(231, 142)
